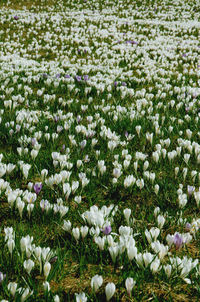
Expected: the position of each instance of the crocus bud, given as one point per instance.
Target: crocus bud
(25, 294)
(114, 251)
(156, 189)
(11, 245)
(30, 209)
(161, 221)
(67, 226)
(84, 231)
(197, 198)
(130, 283)
(12, 286)
(47, 268)
(56, 298)
(156, 211)
(110, 290)
(96, 282)
(127, 213)
(46, 286)
(76, 233)
(155, 265)
(2, 277)
(132, 252)
(168, 270)
(190, 190)
(23, 244)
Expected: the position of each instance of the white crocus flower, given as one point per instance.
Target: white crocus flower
(160, 221)
(56, 298)
(46, 286)
(96, 282)
(156, 189)
(76, 233)
(131, 252)
(155, 265)
(129, 283)
(114, 251)
(110, 290)
(197, 198)
(152, 234)
(168, 270)
(81, 297)
(12, 286)
(100, 241)
(11, 245)
(46, 269)
(28, 265)
(148, 258)
(84, 231)
(127, 213)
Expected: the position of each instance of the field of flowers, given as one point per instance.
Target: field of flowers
(99, 150)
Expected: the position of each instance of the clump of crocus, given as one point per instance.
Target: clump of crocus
(37, 188)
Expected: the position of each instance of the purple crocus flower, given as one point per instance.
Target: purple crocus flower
(33, 141)
(78, 78)
(124, 84)
(78, 119)
(115, 83)
(107, 230)
(37, 188)
(56, 119)
(83, 144)
(132, 42)
(43, 204)
(190, 190)
(188, 226)
(86, 77)
(178, 240)
(126, 134)
(16, 17)
(63, 148)
(67, 76)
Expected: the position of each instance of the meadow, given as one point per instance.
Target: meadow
(99, 150)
